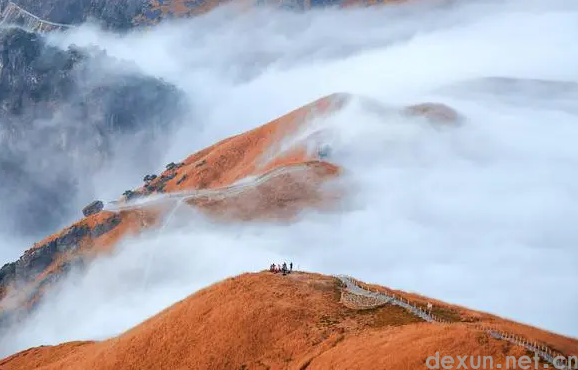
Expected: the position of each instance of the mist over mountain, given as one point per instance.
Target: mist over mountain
(450, 129)
(63, 113)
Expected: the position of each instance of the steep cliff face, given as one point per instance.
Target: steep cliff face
(58, 122)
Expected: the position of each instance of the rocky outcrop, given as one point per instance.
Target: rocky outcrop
(36, 260)
(278, 189)
(8, 272)
(154, 183)
(30, 266)
(92, 208)
(46, 263)
(149, 178)
(173, 165)
(117, 15)
(61, 114)
(109, 224)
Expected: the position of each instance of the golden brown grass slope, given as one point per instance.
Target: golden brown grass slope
(267, 321)
(252, 153)
(163, 9)
(277, 147)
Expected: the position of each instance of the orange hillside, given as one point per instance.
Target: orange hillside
(282, 173)
(271, 321)
(158, 10)
(264, 151)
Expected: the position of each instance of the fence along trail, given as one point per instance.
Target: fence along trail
(375, 298)
(217, 193)
(558, 360)
(14, 15)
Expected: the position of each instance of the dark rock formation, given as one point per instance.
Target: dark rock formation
(71, 238)
(171, 166)
(109, 224)
(92, 208)
(117, 14)
(130, 194)
(156, 187)
(8, 272)
(149, 178)
(62, 114)
(9, 317)
(179, 181)
(75, 263)
(36, 260)
(165, 178)
(161, 181)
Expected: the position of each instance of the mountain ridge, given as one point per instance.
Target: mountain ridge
(298, 321)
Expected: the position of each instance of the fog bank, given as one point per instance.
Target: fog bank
(481, 215)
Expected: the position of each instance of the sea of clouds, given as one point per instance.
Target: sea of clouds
(483, 214)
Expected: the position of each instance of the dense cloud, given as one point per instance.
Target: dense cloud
(482, 215)
(63, 115)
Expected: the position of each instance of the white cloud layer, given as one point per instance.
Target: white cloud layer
(482, 215)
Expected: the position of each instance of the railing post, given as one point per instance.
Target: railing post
(540, 349)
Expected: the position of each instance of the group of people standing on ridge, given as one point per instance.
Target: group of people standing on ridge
(281, 268)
